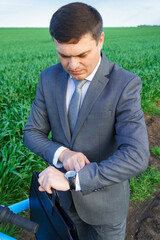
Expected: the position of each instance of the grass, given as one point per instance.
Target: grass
(156, 151)
(11, 230)
(24, 53)
(144, 186)
(138, 50)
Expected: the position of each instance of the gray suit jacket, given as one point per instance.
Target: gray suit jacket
(110, 131)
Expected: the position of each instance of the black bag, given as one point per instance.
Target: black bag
(45, 209)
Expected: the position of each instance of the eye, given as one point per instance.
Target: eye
(83, 55)
(64, 56)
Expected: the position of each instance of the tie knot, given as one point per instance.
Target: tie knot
(79, 83)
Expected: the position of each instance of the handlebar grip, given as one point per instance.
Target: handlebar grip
(6, 215)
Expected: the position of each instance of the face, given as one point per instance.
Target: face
(79, 59)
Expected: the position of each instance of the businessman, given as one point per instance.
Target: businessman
(99, 139)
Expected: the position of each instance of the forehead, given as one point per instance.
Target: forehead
(85, 44)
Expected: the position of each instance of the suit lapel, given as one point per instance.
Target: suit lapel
(61, 87)
(96, 87)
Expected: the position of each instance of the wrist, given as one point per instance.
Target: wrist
(63, 154)
(67, 184)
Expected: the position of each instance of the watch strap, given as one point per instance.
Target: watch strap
(71, 183)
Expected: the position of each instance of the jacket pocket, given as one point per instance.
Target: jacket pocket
(100, 115)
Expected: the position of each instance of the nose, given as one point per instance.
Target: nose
(73, 63)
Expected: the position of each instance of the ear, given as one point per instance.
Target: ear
(101, 40)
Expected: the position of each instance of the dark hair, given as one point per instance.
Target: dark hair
(72, 21)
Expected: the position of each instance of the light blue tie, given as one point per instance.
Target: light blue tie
(75, 103)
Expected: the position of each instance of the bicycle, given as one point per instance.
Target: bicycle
(9, 215)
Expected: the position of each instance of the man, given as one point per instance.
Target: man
(98, 129)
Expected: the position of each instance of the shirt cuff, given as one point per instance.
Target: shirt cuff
(56, 156)
(78, 187)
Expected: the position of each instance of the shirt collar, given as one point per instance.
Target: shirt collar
(91, 76)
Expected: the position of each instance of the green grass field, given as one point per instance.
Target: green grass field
(24, 53)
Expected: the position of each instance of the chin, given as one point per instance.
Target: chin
(78, 77)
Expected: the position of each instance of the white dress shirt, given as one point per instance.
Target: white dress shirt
(70, 91)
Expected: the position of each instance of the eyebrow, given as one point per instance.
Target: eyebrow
(79, 55)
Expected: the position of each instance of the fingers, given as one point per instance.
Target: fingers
(79, 161)
(45, 188)
(87, 161)
(44, 180)
(43, 173)
(77, 165)
(41, 189)
(80, 164)
(52, 178)
(73, 160)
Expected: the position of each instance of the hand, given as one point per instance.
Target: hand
(73, 160)
(52, 178)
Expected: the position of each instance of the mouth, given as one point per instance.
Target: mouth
(76, 72)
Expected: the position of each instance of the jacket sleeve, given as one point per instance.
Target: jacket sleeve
(36, 131)
(132, 151)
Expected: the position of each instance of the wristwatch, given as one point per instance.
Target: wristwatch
(70, 175)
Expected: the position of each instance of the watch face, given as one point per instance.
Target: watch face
(70, 174)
